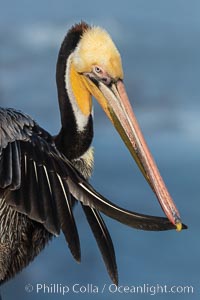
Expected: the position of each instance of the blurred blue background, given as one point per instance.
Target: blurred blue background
(160, 46)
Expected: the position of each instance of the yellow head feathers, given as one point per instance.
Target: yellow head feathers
(97, 48)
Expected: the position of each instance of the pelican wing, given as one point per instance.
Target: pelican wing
(31, 177)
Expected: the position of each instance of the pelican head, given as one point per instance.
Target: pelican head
(95, 69)
(96, 52)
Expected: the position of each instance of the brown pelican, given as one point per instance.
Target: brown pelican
(41, 176)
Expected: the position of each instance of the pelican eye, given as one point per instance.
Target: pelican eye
(101, 75)
(97, 70)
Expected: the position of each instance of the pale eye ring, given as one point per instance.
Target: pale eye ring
(97, 70)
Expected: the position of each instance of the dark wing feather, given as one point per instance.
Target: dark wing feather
(6, 167)
(66, 218)
(85, 193)
(103, 239)
(16, 159)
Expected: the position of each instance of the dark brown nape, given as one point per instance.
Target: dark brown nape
(69, 141)
(68, 46)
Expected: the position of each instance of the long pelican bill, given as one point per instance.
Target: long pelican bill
(114, 101)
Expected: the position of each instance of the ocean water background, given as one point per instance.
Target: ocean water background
(160, 44)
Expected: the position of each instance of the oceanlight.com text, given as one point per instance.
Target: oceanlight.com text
(90, 288)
